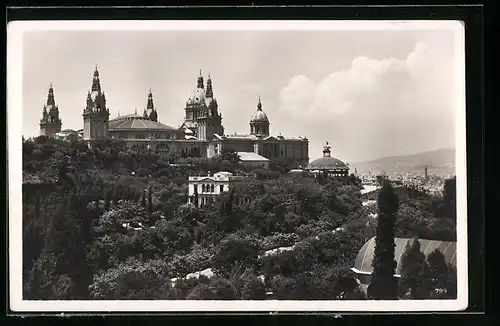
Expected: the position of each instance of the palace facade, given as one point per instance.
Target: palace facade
(200, 135)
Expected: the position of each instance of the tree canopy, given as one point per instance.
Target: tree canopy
(114, 224)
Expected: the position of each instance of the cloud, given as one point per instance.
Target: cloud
(387, 101)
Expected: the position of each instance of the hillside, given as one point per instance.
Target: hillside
(438, 161)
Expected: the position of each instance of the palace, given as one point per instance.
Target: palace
(200, 135)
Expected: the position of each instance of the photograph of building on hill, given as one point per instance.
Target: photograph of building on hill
(305, 167)
(200, 135)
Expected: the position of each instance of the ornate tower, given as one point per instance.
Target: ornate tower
(150, 111)
(259, 123)
(95, 114)
(209, 118)
(196, 98)
(50, 124)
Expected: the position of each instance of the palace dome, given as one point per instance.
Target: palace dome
(259, 115)
(197, 96)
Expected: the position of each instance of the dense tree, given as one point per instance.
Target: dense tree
(132, 280)
(46, 284)
(235, 250)
(95, 232)
(450, 197)
(120, 216)
(223, 289)
(176, 235)
(451, 284)
(438, 273)
(199, 258)
(63, 254)
(247, 285)
(202, 291)
(150, 201)
(414, 282)
(384, 284)
(143, 199)
(228, 154)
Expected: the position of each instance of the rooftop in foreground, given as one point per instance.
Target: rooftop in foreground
(363, 263)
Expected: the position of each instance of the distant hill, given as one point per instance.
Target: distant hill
(438, 161)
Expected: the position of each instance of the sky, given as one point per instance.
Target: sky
(370, 94)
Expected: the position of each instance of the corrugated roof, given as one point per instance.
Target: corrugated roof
(363, 263)
(251, 156)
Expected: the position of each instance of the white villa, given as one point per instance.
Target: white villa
(202, 189)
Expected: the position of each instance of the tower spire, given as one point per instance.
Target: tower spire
(96, 113)
(209, 93)
(50, 124)
(150, 111)
(150, 105)
(200, 81)
(96, 83)
(50, 97)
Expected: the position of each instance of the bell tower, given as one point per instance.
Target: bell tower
(50, 124)
(95, 114)
(209, 119)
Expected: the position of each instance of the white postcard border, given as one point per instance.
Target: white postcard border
(15, 32)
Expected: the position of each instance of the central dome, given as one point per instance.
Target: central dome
(259, 116)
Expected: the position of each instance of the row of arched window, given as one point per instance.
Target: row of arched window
(211, 188)
(208, 188)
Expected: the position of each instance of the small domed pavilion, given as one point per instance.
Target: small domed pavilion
(330, 166)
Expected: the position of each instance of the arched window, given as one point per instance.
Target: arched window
(212, 188)
(202, 188)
